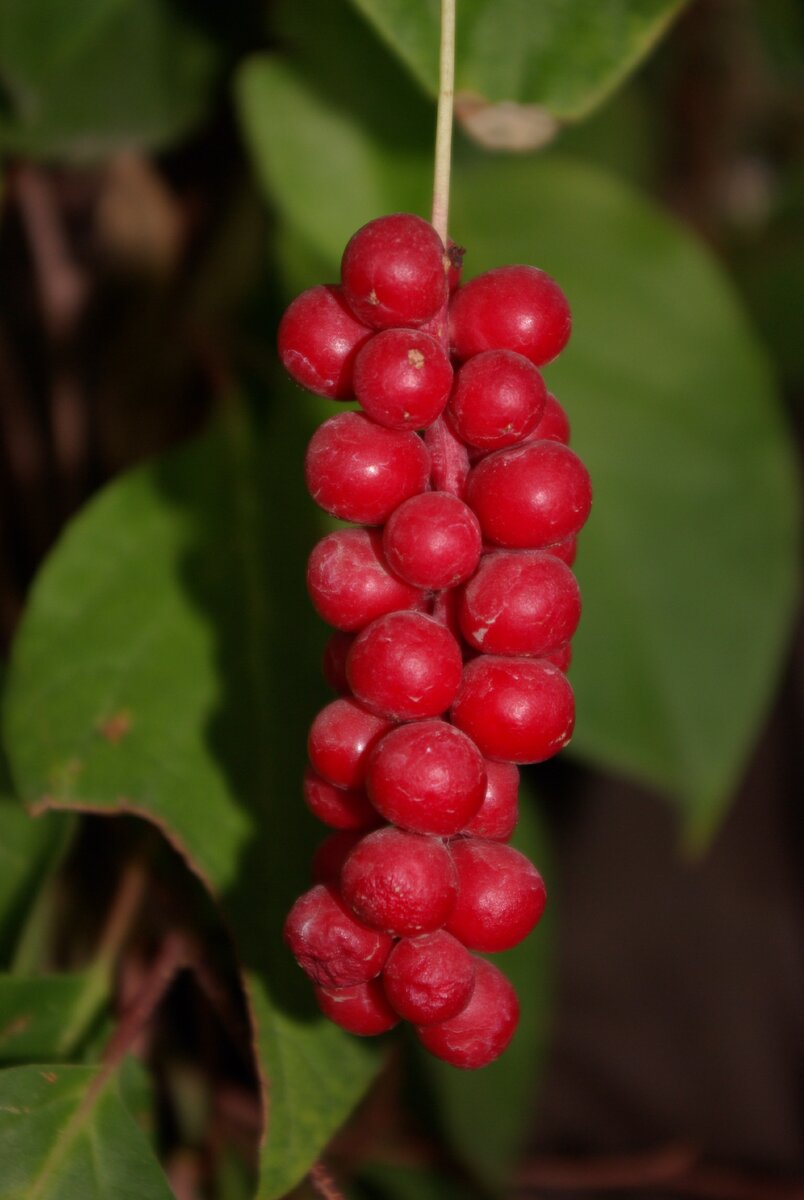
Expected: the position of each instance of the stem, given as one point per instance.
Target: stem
(443, 140)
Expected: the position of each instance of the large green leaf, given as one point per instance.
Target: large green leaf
(687, 566)
(37, 1016)
(90, 76)
(564, 56)
(347, 131)
(65, 1134)
(164, 667)
(487, 1113)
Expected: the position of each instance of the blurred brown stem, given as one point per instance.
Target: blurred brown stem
(62, 289)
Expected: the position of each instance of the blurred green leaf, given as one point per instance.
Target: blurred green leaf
(82, 79)
(486, 1113)
(164, 667)
(334, 126)
(65, 1134)
(35, 1016)
(687, 566)
(26, 849)
(386, 1181)
(565, 56)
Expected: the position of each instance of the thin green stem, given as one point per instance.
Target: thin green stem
(443, 140)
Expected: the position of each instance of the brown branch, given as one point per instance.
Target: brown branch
(171, 959)
(323, 1183)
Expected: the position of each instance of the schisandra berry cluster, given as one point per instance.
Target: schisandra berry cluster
(453, 605)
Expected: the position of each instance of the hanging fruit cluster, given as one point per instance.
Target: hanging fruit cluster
(453, 605)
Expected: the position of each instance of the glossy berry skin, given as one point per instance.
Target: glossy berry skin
(432, 541)
(400, 882)
(349, 582)
(340, 739)
(402, 378)
(480, 1032)
(497, 816)
(530, 496)
(429, 978)
(497, 400)
(501, 895)
(394, 272)
(566, 550)
(318, 339)
(519, 602)
(516, 308)
(405, 666)
(518, 710)
(340, 808)
(362, 1009)
(427, 777)
(361, 472)
(553, 424)
(330, 944)
(561, 657)
(333, 661)
(330, 855)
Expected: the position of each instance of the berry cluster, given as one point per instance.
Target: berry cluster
(453, 605)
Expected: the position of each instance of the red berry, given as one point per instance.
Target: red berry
(394, 271)
(483, 1029)
(333, 661)
(561, 657)
(406, 666)
(565, 550)
(455, 254)
(516, 308)
(429, 978)
(428, 777)
(339, 741)
(501, 895)
(530, 496)
(330, 855)
(521, 602)
(318, 339)
(340, 808)
(401, 882)
(497, 399)
(402, 378)
(449, 458)
(330, 944)
(349, 581)
(519, 710)
(360, 472)
(362, 1008)
(497, 816)
(433, 541)
(554, 424)
(445, 611)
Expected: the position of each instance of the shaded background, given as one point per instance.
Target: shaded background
(138, 285)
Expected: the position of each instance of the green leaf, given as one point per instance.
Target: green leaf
(35, 1016)
(387, 1181)
(486, 1114)
(335, 139)
(164, 667)
(26, 848)
(66, 1135)
(687, 565)
(88, 77)
(561, 56)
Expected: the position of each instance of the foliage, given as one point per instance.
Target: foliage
(166, 664)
